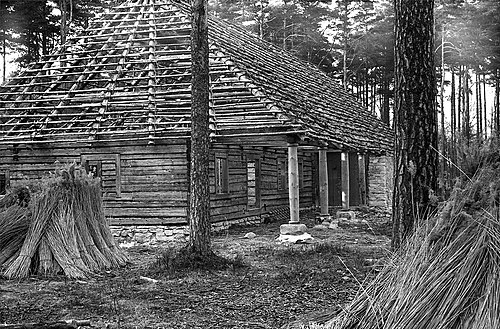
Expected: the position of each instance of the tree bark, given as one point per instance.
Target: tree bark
(199, 203)
(466, 107)
(453, 142)
(497, 103)
(345, 27)
(386, 102)
(4, 56)
(479, 108)
(485, 110)
(416, 160)
(459, 99)
(64, 20)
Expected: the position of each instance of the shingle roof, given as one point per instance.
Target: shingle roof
(128, 75)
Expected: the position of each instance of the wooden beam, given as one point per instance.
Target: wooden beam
(293, 183)
(323, 181)
(344, 159)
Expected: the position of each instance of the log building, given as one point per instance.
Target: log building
(116, 99)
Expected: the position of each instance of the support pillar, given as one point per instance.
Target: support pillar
(344, 159)
(323, 182)
(294, 227)
(293, 183)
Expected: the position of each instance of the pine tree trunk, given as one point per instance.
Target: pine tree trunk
(199, 203)
(386, 102)
(497, 102)
(367, 86)
(415, 118)
(345, 27)
(485, 110)
(466, 107)
(442, 172)
(479, 108)
(453, 143)
(4, 56)
(64, 20)
(459, 100)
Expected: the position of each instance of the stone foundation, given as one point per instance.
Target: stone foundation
(158, 234)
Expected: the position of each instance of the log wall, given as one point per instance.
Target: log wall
(234, 204)
(148, 184)
(152, 179)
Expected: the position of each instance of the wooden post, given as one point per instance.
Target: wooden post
(344, 159)
(323, 181)
(293, 183)
(362, 179)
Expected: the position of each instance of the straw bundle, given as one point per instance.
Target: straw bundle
(64, 230)
(447, 276)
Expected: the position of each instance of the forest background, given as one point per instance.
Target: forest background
(352, 41)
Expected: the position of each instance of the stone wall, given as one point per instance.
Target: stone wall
(157, 234)
(380, 181)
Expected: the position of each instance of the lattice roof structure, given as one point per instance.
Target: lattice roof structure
(128, 77)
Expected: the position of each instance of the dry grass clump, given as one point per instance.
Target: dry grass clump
(63, 230)
(446, 276)
(172, 262)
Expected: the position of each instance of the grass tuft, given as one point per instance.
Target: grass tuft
(172, 262)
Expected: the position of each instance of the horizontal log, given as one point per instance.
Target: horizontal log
(68, 324)
(145, 212)
(148, 220)
(158, 187)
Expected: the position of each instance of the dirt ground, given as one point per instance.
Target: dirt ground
(279, 284)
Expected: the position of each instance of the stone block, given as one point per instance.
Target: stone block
(348, 214)
(300, 238)
(124, 233)
(293, 229)
(333, 225)
(162, 237)
(142, 237)
(250, 235)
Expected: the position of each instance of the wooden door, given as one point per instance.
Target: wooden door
(334, 179)
(354, 180)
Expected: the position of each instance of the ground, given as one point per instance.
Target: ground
(279, 284)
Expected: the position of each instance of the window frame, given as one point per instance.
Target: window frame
(84, 158)
(281, 174)
(257, 182)
(221, 181)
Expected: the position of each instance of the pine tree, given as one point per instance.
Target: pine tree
(199, 203)
(415, 118)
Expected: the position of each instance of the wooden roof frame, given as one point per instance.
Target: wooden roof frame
(127, 77)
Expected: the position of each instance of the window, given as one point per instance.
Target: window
(282, 177)
(253, 183)
(107, 168)
(4, 181)
(221, 175)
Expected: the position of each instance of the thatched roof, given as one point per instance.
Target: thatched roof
(128, 76)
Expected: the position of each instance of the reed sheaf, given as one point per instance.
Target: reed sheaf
(447, 274)
(62, 230)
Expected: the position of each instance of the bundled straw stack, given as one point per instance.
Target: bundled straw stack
(63, 230)
(447, 276)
